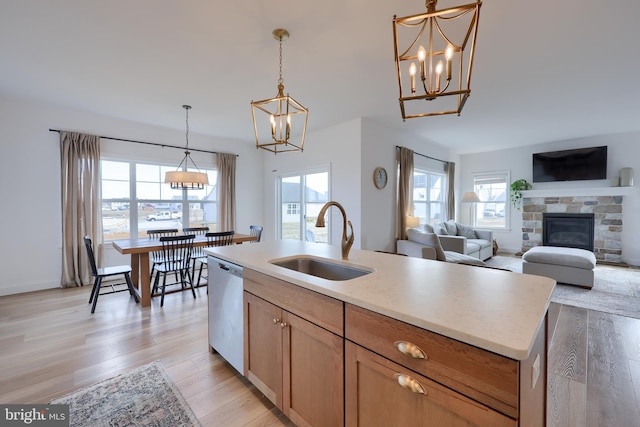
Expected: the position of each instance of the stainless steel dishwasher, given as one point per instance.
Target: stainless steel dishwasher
(226, 321)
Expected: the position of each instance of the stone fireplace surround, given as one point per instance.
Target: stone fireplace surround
(607, 210)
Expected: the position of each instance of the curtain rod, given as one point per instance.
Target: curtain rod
(148, 143)
(424, 155)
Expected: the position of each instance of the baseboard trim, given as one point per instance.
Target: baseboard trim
(27, 287)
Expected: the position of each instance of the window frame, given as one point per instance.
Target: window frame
(428, 202)
(134, 200)
(506, 175)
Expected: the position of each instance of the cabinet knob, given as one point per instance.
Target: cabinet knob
(410, 349)
(283, 325)
(410, 384)
(276, 321)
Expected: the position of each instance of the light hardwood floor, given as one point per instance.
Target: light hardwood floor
(51, 345)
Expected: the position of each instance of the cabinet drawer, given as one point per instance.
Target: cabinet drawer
(320, 309)
(484, 376)
(380, 392)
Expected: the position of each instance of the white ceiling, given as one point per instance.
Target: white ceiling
(544, 71)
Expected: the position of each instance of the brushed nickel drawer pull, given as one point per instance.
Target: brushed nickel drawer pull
(410, 384)
(410, 350)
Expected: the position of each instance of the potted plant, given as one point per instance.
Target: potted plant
(516, 191)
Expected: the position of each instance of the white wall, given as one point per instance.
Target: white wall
(337, 147)
(622, 152)
(30, 174)
(379, 206)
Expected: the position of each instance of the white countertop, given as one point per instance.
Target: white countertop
(495, 310)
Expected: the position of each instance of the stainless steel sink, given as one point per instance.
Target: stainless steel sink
(321, 268)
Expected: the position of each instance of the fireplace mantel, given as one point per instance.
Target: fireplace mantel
(588, 191)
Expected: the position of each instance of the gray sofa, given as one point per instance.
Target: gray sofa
(454, 237)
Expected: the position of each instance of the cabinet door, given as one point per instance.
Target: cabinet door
(313, 386)
(263, 347)
(382, 393)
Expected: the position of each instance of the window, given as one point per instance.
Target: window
(135, 199)
(301, 197)
(493, 209)
(429, 190)
(293, 208)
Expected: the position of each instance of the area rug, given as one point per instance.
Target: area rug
(145, 396)
(616, 289)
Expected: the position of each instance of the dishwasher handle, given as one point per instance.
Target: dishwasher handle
(232, 269)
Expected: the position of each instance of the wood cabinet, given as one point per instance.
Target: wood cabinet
(397, 370)
(383, 393)
(297, 364)
(324, 362)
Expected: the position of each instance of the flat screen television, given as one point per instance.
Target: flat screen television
(570, 165)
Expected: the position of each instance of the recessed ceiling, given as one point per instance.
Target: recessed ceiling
(544, 71)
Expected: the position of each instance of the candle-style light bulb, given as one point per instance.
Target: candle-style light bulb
(448, 54)
(412, 73)
(439, 67)
(288, 130)
(422, 54)
(273, 126)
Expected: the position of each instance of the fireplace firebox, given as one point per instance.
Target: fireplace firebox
(570, 230)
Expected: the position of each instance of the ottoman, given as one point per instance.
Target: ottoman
(565, 265)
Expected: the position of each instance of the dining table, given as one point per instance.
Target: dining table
(139, 249)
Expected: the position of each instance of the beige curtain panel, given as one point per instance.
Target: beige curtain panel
(405, 190)
(450, 202)
(226, 164)
(81, 206)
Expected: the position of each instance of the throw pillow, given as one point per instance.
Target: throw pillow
(451, 227)
(466, 231)
(427, 239)
(428, 228)
(440, 229)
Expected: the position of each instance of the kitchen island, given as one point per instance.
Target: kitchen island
(477, 336)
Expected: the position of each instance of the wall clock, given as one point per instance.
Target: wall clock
(380, 177)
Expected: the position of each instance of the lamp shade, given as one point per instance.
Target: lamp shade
(413, 222)
(470, 197)
(186, 180)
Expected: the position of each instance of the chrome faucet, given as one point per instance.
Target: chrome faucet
(346, 242)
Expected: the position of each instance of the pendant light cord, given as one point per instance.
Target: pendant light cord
(280, 81)
(187, 108)
(187, 153)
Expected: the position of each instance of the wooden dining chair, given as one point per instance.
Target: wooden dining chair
(219, 238)
(197, 255)
(101, 273)
(256, 231)
(176, 255)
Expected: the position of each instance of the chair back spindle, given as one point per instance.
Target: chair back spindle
(220, 238)
(176, 251)
(256, 231)
(197, 252)
(90, 256)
